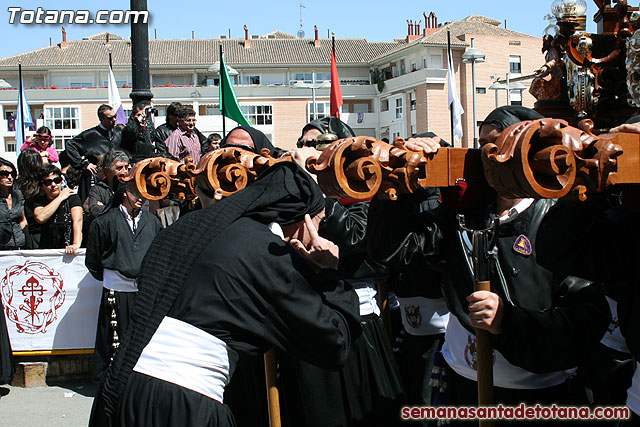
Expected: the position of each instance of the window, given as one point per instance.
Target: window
(398, 108)
(360, 108)
(516, 97)
(78, 84)
(251, 80)
(323, 110)
(424, 62)
(481, 90)
(10, 146)
(403, 67)
(62, 117)
(413, 66)
(308, 77)
(60, 142)
(384, 105)
(395, 72)
(212, 110)
(436, 61)
(258, 114)
(412, 98)
(515, 65)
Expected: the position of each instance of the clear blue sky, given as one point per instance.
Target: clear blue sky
(374, 20)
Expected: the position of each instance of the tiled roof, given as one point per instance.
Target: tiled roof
(203, 52)
(473, 24)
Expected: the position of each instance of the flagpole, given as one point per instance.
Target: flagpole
(220, 73)
(20, 106)
(110, 61)
(450, 107)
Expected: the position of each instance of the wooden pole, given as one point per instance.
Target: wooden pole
(484, 355)
(273, 395)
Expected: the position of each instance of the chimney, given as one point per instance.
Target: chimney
(63, 43)
(430, 23)
(107, 39)
(247, 40)
(193, 35)
(413, 32)
(316, 41)
(50, 42)
(155, 33)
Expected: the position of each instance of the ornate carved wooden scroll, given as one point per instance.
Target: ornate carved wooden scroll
(158, 177)
(547, 158)
(230, 169)
(361, 167)
(544, 158)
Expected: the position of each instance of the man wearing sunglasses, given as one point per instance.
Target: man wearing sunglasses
(85, 148)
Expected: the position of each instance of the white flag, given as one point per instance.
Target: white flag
(454, 102)
(114, 99)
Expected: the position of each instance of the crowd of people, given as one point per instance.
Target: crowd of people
(280, 265)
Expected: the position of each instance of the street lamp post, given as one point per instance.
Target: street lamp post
(313, 86)
(473, 56)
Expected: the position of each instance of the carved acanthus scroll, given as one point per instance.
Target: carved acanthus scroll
(544, 158)
(230, 169)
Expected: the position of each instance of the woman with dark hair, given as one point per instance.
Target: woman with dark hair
(28, 182)
(10, 211)
(42, 142)
(59, 211)
(11, 207)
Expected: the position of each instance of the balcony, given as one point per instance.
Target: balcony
(415, 78)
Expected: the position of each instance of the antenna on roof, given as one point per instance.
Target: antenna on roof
(301, 31)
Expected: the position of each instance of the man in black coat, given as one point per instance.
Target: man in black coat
(541, 324)
(85, 149)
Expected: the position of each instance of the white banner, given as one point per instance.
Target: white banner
(50, 300)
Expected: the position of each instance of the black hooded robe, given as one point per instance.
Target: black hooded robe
(239, 282)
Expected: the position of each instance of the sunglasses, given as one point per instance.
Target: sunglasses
(110, 117)
(5, 174)
(48, 182)
(43, 137)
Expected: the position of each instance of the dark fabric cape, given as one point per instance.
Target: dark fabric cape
(162, 277)
(259, 139)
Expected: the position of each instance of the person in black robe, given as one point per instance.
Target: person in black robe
(252, 139)
(541, 324)
(367, 390)
(85, 148)
(7, 367)
(118, 241)
(234, 279)
(600, 244)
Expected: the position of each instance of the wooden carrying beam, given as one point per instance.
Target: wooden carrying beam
(543, 158)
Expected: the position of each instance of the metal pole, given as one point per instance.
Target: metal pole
(497, 98)
(313, 95)
(224, 122)
(508, 89)
(21, 109)
(473, 80)
(140, 56)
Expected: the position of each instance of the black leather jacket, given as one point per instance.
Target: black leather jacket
(549, 321)
(347, 227)
(601, 243)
